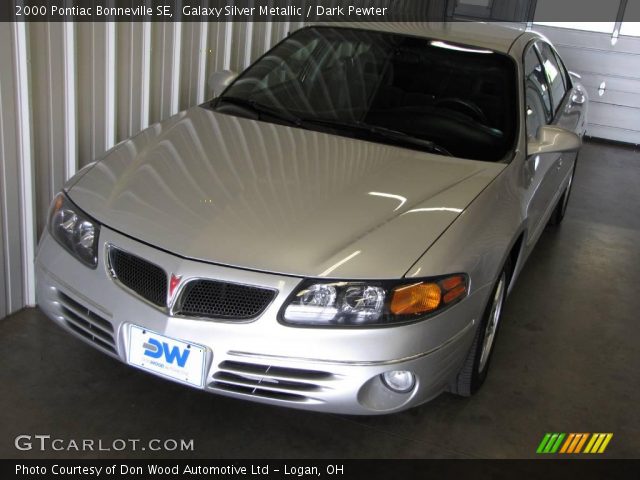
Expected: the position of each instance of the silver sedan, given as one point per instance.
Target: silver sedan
(337, 230)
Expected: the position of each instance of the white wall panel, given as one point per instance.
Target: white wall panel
(279, 30)
(53, 109)
(10, 254)
(16, 171)
(193, 63)
(165, 70)
(96, 73)
(261, 36)
(133, 61)
(241, 45)
(4, 299)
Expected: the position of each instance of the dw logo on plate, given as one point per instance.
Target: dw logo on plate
(155, 349)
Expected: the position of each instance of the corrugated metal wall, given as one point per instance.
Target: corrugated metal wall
(69, 92)
(16, 176)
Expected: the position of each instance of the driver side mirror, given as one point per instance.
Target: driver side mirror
(218, 81)
(552, 139)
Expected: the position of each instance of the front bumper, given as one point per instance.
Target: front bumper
(323, 369)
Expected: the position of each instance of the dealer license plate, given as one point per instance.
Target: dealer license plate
(166, 356)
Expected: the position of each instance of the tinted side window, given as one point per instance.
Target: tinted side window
(565, 73)
(537, 93)
(555, 75)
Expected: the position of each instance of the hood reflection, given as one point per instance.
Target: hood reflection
(246, 193)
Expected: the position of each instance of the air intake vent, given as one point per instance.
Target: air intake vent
(87, 323)
(278, 383)
(142, 277)
(215, 299)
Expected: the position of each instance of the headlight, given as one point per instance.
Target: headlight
(345, 304)
(74, 230)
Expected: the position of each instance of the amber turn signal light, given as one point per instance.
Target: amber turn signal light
(416, 298)
(424, 297)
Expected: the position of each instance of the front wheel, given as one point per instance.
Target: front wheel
(474, 371)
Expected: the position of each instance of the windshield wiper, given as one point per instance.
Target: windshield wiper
(375, 130)
(260, 109)
(383, 132)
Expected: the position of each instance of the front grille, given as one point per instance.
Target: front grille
(266, 381)
(143, 277)
(87, 323)
(215, 299)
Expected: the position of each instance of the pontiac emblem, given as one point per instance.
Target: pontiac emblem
(173, 284)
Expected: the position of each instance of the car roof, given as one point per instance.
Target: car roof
(489, 36)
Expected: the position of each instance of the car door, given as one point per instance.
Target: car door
(569, 103)
(540, 171)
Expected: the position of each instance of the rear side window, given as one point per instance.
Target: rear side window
(538, 108)
(555, 75)
(565, 73)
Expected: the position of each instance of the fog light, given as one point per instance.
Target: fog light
(400, 381)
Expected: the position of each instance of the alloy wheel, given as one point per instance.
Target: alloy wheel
(492, 322)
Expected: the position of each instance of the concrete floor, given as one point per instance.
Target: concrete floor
(567, 360)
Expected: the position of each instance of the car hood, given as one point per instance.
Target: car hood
(267, 197)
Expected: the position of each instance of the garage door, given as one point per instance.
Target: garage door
(607, 56)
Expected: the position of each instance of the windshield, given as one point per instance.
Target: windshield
(416, 92)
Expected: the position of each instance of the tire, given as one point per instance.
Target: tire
(475, 368)
(561, 208)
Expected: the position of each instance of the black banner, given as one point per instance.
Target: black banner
(307, 469)
(311, 10)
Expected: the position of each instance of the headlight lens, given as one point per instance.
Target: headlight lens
(74, 230)
(345, 304)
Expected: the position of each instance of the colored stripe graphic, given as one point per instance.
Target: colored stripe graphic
(543, 443)
(583, 439)
(550, 443)
(598, 442)
(567, 442)
(596, 445)
(605, 443)
(556, 445)
(573, 443)
(591, 442)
